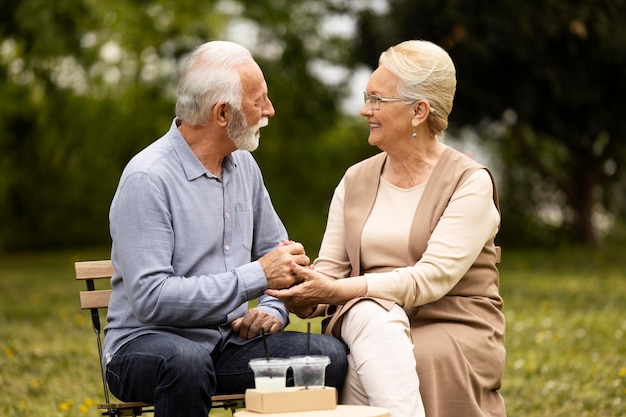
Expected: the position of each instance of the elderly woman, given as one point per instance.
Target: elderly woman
(413, 227)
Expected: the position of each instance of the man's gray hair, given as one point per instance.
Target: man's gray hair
(210, 76)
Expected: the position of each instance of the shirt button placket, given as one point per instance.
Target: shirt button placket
(226, 216)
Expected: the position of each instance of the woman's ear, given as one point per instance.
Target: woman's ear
(421, 109)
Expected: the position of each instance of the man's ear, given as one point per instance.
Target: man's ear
(221, 113)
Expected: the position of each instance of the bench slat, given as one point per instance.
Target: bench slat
(94, 269)
(228, 397)
(94, 299)
(131, 405)
(123, 406)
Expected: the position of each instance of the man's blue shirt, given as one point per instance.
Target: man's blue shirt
(185, 245)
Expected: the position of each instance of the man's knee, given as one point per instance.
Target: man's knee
(191, 362)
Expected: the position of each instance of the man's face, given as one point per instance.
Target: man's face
(256, 109)
(244, 137)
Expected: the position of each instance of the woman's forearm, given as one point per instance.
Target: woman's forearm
(346, 289)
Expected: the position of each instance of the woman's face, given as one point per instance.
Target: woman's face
(392, 120)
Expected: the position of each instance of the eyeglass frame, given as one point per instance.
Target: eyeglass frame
(375, 100)
(375, 105)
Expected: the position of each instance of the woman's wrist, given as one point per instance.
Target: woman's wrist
(347, 289)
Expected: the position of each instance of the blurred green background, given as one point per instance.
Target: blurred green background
(86, 84)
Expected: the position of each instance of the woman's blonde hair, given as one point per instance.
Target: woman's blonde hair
(426, 72)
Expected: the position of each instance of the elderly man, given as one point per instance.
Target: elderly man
(195, 237)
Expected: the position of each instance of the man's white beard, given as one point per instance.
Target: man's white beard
(244, 137)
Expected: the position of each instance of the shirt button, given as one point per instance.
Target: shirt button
(227, 247)
(227, 215)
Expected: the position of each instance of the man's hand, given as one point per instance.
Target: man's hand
(277, 264)
(250, 325)
(317, 288)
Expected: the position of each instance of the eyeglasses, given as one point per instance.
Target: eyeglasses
(375, 100)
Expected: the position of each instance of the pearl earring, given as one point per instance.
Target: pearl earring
(414, 134)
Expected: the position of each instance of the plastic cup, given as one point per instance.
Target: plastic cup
(269, 374)
(309, 371)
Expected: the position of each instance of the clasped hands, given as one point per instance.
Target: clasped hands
(299, 286)
(311, 288)
(316, 288)
(277, 266)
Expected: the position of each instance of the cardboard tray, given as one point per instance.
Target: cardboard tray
(292, 399)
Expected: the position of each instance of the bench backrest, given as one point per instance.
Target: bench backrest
(90, 271)
(94, 299)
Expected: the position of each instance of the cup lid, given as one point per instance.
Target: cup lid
(270, 361)
(310, 360)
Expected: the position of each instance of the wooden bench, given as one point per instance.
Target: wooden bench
(96, 299)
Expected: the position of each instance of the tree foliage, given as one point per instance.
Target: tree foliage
(85, 84)
(544, 81)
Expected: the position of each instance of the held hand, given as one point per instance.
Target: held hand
(277, 264)
(317, 288)
(250, 325)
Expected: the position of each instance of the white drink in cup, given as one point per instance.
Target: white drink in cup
(269, 384)
(269, 374)
(309, 371)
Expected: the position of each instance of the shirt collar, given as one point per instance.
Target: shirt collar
(191, 164)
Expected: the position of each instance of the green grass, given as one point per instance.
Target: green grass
(566, 335)
(566, 332)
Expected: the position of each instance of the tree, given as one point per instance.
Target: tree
(544, 81)
(84, 85)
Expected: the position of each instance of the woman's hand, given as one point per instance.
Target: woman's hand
(317, 288)
(303, 311)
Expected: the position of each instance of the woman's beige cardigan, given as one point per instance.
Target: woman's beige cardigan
(459, 338)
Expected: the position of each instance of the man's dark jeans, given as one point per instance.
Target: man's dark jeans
(179, 376)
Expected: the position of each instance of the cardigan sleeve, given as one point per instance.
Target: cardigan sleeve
(333, 258)
(469, 221)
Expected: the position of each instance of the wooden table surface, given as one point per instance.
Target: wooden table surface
(340, 411)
